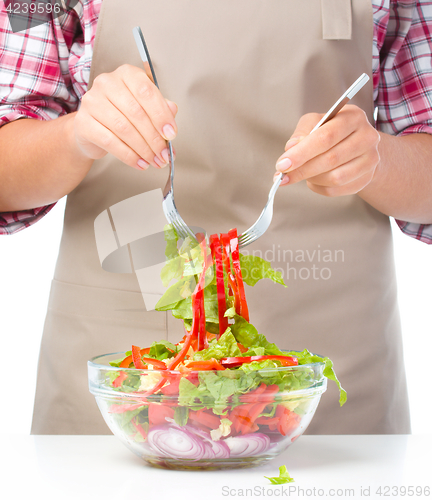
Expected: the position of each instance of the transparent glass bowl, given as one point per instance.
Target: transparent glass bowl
(217, 429)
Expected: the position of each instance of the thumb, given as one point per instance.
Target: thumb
(303, 128)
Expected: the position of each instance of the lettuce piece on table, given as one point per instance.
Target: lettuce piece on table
(283, 477)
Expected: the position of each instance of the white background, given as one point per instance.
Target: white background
(27, 265)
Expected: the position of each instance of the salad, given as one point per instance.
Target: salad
(223, 392)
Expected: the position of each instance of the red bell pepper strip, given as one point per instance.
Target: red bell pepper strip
(288, 420)
(173, 386)
(215, 246)
(244, 312)
(210, 364)
(120, 379)
(193, 378)
(242, 347)
(252, 395)
(198, 299)
(206, 419)
(187, 343)
(225, 243)
(240, 417)
(157, 413)
(225, 240)
(138, 361)
(136, 358)
(198, 309)
(139, 428)
(128, 360)
(237, 361)
(160, 365)
(271, 422)
(247, 414)
(234, 293)
(114, 408)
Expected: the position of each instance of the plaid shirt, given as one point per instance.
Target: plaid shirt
(45, 72)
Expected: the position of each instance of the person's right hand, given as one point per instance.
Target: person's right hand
(125, 114)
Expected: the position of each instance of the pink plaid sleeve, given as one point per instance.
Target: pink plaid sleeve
(402, 63)
(12, 222)
(420, 232)
(47, 69)
(44, 75)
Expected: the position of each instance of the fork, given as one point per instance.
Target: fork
(168, 205)
(263, 222)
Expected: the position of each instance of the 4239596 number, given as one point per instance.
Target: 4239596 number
(33, 8)
(403, 491)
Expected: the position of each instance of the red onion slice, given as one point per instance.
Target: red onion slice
(173, 442)
(248, 445)
(219, 448)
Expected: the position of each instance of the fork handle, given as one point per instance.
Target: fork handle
(334, 110)
(149, 69)
(343, 99)
(144, 53)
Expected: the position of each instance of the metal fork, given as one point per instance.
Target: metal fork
(168, 204)
(265, 218)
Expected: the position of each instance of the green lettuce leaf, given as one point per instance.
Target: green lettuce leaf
(162, 350)
(176, 294)
(173, 268)
(255, 269)
(183, 309)
(181, 415)
(306, 357)
(216, 390)
(225, 347)
(247, 335)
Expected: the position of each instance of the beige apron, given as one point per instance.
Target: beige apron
(242, 73)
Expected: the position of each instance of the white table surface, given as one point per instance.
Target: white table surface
(101, 467)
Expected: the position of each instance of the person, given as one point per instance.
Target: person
(245, 78)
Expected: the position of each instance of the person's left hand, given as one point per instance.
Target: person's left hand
(338, 159)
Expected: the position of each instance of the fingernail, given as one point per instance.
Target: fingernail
(158, 162)
(165, 155)
(285, 180)
(284, 165)
(142, 164)
(168, 132)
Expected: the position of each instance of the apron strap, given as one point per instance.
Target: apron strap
(336, 19)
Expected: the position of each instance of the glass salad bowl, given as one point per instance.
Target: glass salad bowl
(206, 419)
